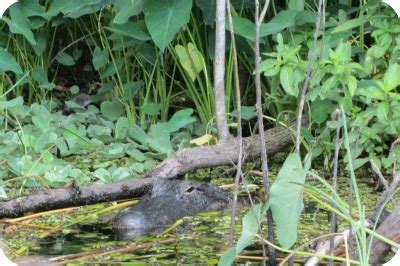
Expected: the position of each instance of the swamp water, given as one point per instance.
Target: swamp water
(198, 240)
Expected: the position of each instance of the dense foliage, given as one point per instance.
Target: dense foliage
(53, 51)
(133, 79)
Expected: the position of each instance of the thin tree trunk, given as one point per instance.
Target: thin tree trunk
(264, 159)
(219, 72)
(239, 127)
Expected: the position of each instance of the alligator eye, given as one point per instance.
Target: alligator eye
(190, 189)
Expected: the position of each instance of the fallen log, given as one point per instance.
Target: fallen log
(182, 162)
(390, 228)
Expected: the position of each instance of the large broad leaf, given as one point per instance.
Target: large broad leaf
(18, 101)
(191, 59)
(122, 127)
(128, 8)
(20, 24)
(8, 63)
(319, 110)
(129, 29)
(76, 8)
(112, 110)
(165, 18)
(250, 222)
(286, 200)
(159, 139)
(33, 9)
(243, 27)
(138, 134)
(41, 43)
(281, 21)
(100, 58)
(151, 108)
(180, 119)
(208, 9)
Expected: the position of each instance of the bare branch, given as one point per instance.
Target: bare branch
(239, 126)
(260, 122)
(321, 6)
(334, 184)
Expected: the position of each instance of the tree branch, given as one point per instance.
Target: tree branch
(180, 163)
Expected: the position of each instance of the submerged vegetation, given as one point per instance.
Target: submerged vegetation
(98, 92)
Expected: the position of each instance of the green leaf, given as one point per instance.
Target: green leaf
(306, 16)
(246, 112)
(284, 19)
(350, 24)
(208, 9)
(65, 59)
(120, 174)
(113, 151)
(319, 110)
(40, 75)
(8, 63)
(372, 92)
(41, 43)
(138, 134)
(20, 24)
(286, 200)
(160, 139)
(100, 57)
(391, 79)
(136, 154)
(328, 85)
(251, 223)
(18, 101)
(129, 29)
(42, 121)
(75, 8)
(165, 18)
(288, 82)
(243, 27)
(97, 131)
(33, 9)
(180, 119)
(44, 141)
(112, 110)
(131, 88)
(359, 162)
(151, 108)
(128, 8)
(352, 84)
(228, 257)
(191, 59)
(103, 175)
(122, 127)
(382, 112)
(269, 67)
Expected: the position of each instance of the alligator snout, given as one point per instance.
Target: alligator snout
(168, 201)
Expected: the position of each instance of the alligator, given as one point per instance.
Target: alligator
(168, 201)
